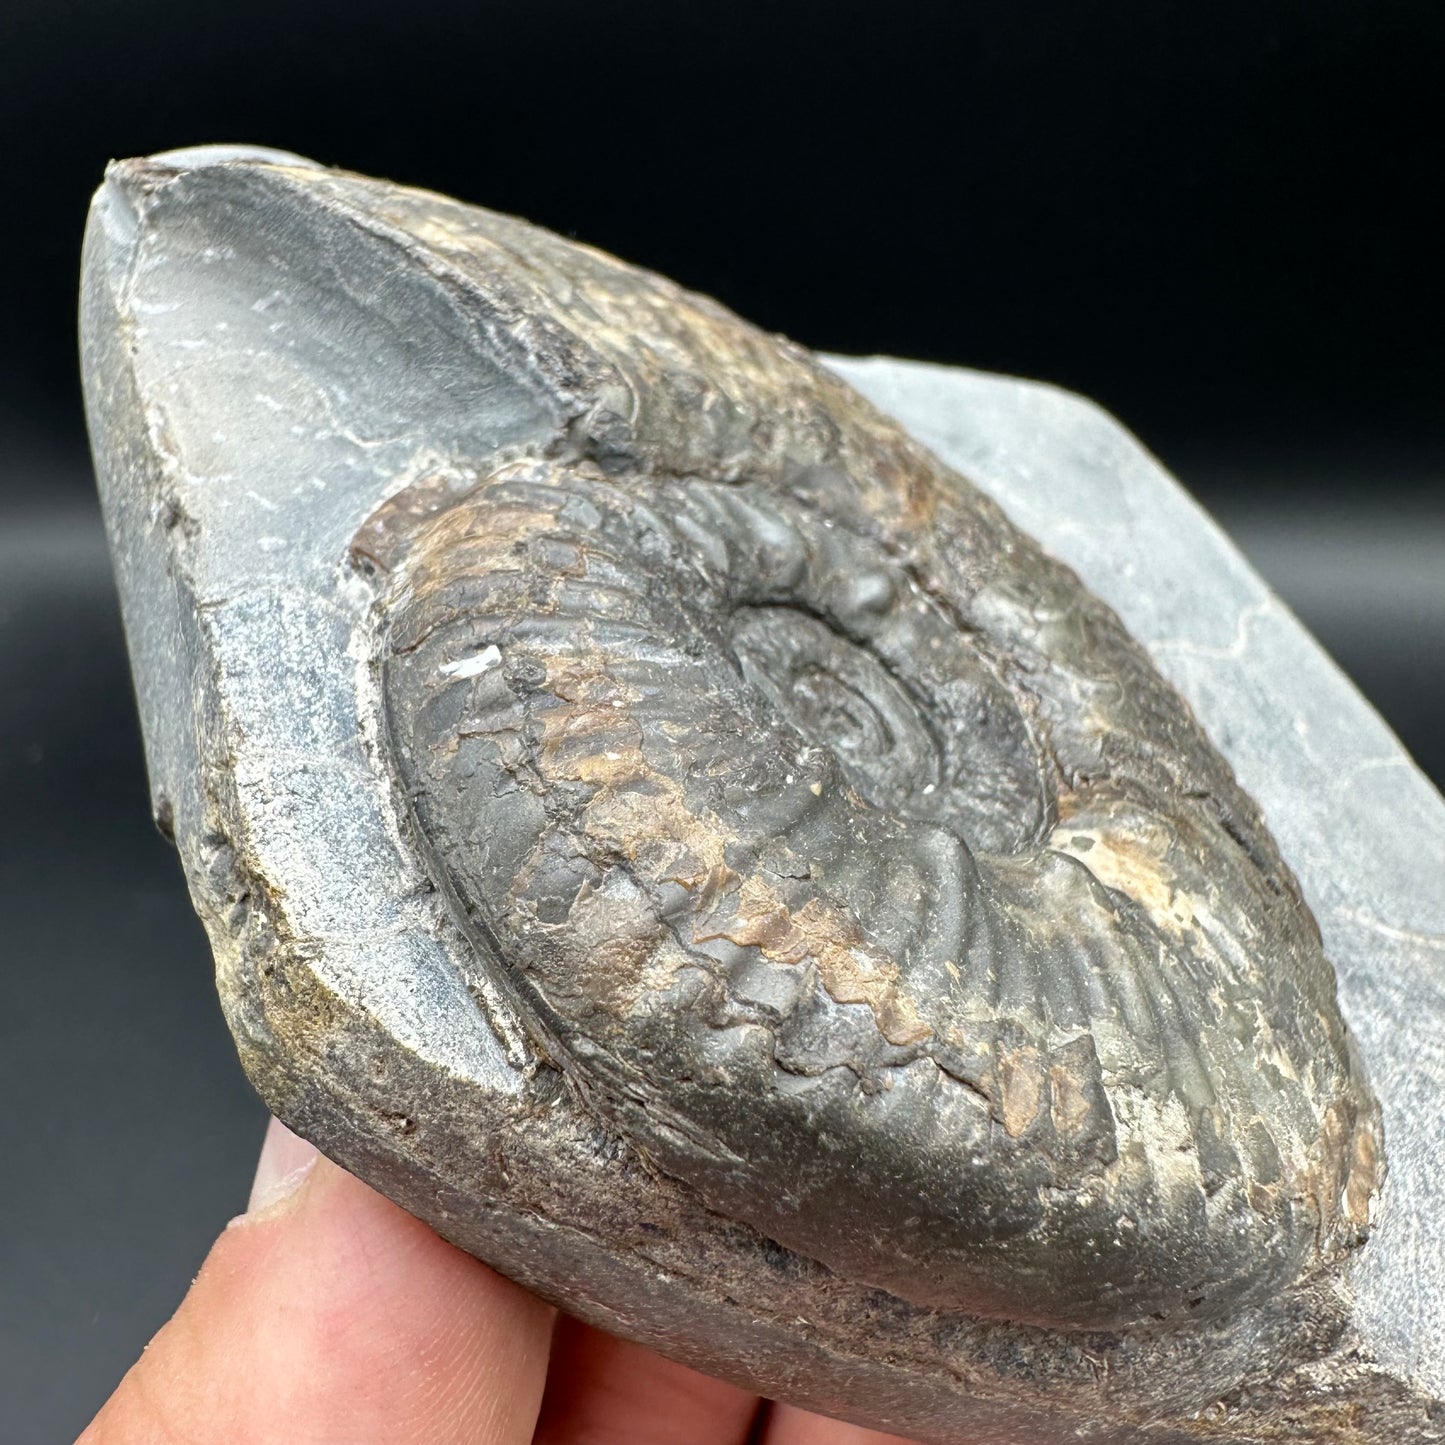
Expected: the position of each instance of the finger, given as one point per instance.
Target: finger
(326, 1313)
(603, 1390)
(788, 1425)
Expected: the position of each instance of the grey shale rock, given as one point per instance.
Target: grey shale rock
(667, 830)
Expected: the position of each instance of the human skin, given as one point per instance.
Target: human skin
(325, 1314)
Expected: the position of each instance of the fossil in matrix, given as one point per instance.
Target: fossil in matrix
(675, 834)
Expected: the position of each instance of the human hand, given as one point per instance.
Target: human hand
(327, 1314)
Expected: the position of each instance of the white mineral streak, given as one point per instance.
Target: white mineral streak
(474, 666)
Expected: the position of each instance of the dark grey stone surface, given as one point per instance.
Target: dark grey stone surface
(235, 599)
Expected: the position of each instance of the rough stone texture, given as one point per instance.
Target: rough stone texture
(252, 406)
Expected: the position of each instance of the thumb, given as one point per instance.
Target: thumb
(325, 1313)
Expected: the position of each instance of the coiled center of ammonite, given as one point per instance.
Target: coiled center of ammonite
(838, 694)
(907, 921)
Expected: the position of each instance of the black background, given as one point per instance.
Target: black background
(1213, 218)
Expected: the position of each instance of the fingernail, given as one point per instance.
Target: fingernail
(286, 1159)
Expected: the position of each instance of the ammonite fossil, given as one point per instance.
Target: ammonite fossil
(844, 853)
(823, 859)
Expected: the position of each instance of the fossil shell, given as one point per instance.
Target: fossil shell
(844, 853)
(665, 830)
